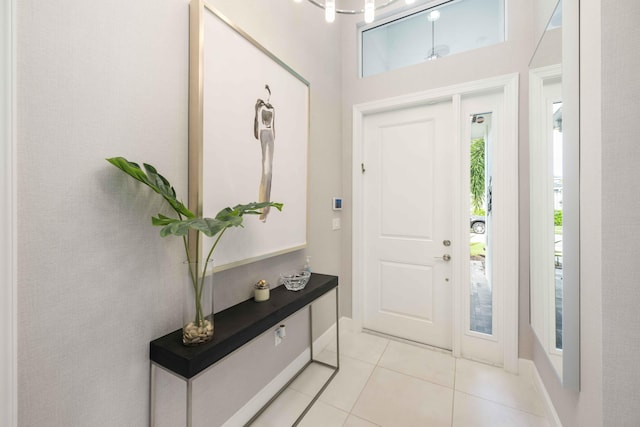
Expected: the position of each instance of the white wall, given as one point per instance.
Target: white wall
(509, 57)
(96, 282)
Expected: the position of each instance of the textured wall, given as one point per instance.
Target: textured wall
(8, 310)
(96, 283)
(620, 207)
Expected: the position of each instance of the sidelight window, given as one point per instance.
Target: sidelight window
(480, 225)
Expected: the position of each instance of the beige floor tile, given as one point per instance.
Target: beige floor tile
(361, 346)
(284, 410)
(497, 385)
(345, 388)
(354, 421)
(323, 415)
(430, 365)
(328, 356)
(471, 411)
(391, 399)
(411, 386)
(312, 379)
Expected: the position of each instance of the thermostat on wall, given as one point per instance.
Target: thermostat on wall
(337, 203)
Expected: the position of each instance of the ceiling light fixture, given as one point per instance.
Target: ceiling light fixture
(432, 17)
(369, 9)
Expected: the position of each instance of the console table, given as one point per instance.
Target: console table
(234, 328)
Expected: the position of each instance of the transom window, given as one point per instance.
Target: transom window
(421, 35)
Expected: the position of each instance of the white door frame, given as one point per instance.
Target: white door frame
(506, 233)
(8, 303)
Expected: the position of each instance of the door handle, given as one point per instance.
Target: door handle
(445, 257)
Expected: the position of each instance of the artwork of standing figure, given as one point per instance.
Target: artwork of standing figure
(264, 130)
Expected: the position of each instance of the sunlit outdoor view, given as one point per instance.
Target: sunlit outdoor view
(481, 299)
(557, 216)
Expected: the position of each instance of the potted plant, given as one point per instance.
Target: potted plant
(198, 327)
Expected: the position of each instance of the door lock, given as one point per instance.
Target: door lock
(446, 242)
(445, 257)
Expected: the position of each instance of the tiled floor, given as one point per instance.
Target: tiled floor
(392, 384)
(481, 300)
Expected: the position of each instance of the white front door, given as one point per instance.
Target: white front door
(407, 200)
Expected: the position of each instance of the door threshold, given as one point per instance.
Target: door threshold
(407, 341)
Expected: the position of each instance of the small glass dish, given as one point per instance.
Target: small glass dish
(295, 281)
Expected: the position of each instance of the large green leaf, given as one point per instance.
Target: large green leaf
(162, 220)
(227, 217)
(175, 227)
(154, 180)
(210, 227)
(248, 209)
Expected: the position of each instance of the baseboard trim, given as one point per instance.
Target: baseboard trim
(245, 413)
(347, 324)
(528, 368)
(329, 335)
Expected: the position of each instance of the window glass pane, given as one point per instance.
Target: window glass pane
(453, 27)
(557, 217)
(481, 292)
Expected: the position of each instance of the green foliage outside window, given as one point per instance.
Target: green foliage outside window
(477, 176)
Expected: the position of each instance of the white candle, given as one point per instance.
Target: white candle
(261, 294)
(261, 291)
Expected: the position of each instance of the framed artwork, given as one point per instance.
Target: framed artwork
(248, 138)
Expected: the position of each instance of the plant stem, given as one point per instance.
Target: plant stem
(214, 246)
(192, 272)
(186, 248)
(199, 289)
(199, 280)
(199, 284)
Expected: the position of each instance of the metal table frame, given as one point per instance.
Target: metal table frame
(189, 381)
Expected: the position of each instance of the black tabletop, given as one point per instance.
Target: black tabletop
(236, 326)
